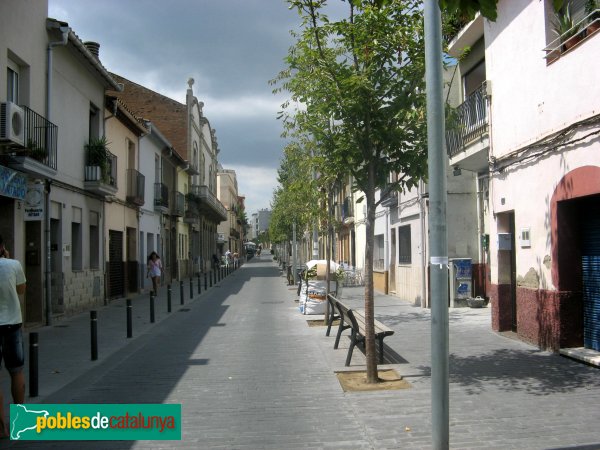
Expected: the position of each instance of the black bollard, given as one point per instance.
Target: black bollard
(129, 319)
(205, 281)
(168, 298)
(211, 276)
(199, 288)
(33, 364)
(151, 307)
(191, 288)
(181, 292)
(94, 334)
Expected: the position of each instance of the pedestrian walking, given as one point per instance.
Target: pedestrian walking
(12, 353)
(155, 270)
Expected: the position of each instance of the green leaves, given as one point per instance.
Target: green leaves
(469, 8)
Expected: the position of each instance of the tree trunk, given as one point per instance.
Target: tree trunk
(368, 269)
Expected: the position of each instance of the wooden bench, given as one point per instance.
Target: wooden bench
(355, 321)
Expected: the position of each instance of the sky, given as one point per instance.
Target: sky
(231, 48)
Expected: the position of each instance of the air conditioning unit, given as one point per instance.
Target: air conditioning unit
(12, 123)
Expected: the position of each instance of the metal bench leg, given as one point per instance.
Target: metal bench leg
(380, 339)
(329, 323)
(352, 344)
(339, 334)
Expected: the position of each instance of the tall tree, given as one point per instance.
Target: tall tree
(357, 86)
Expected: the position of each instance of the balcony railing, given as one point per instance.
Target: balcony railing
(467, 122)
(105, 173)
(208, 203)
(161, 195)
(347, 209)
(135, 187)
(178, 204)
(234, 233)
(40, 138)
(37, 154)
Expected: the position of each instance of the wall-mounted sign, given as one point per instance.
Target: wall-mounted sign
(34, 202)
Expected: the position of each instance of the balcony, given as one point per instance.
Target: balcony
(391, 200)
(467, 136)
(135, 187)
(161, 197)
(208, 204)
(234, 233)
(178, 206)
(37, 156)
(100, 176)
(348, 211)
(191, 214)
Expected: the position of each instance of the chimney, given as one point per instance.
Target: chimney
(93, 48)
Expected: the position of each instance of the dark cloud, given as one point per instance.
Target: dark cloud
(231, 48)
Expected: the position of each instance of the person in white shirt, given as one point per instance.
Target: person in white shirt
(12, 353)
(155, 270)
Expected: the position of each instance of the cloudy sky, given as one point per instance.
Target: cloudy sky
(231, 48)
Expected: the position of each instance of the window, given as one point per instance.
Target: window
(94, 123)
(94, 240)
(76, 240)
(379, 253)
(404, 250)
(12, 85)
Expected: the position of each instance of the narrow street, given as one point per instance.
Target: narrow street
(251, 374)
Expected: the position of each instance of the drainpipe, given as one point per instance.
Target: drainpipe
(65, 30)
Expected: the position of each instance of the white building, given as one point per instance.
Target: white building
(543, 151)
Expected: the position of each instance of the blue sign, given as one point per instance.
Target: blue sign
(12, 184)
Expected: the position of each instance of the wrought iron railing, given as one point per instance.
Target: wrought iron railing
(206, 196)
(467, 122)
(40, 137)
(178, 204)
(135, 187)
(106, 173)
(161, 195)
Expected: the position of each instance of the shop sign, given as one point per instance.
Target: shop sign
(12, 184)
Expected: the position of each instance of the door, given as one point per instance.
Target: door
(392, 281)
(590, 265)
(513, 271)
(116, 272)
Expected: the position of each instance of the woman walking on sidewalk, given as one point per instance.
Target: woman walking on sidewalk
(154, 270)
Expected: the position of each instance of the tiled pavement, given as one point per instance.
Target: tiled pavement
(251, 374)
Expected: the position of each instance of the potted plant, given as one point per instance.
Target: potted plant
(566, 28)
(592, 12)
(36, 152)
(97, 153)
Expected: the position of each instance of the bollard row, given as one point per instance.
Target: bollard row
(211, 277)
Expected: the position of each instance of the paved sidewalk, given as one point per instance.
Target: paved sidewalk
(250, 373)
(65, 346)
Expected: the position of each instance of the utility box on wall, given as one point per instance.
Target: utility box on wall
(505, 241)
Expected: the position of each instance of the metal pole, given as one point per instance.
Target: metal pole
(210, 277)
(33, 364)
(181, 299)
(169, 293)
(151, 307)
(94, 334)
(129, 319)
(294, 255)
(191, 288)
(199, 288)
(205, 281)
(438, 244)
